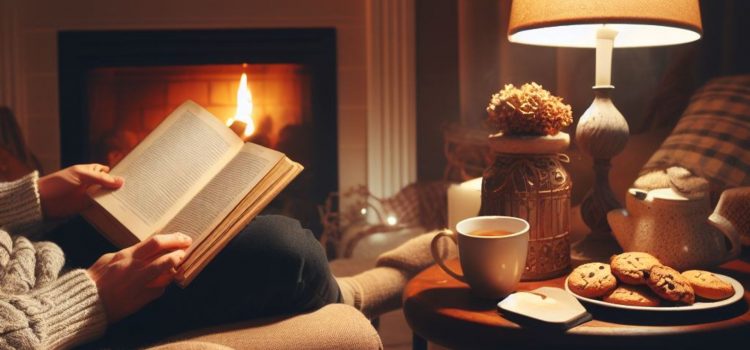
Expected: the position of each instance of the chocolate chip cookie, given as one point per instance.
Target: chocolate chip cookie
(626, 294)
(708, 285)
(670, 284)
(592, 280)
(633, 267)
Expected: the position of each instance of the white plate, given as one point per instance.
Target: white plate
(739, 292)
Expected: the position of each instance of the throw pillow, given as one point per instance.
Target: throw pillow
(712, 138)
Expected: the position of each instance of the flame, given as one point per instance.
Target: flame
(244, 107)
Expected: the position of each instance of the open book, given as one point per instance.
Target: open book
(193, 175)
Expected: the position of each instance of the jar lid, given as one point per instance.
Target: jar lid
(529, 144)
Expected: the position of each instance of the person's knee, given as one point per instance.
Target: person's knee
(281, 236)
(274, 265)
(297, 248)
(280, 244)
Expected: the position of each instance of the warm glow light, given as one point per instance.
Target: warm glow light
(584, 35)
(244, 107)
(391, 220)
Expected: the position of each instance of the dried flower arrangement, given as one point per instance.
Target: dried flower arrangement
(528, 110)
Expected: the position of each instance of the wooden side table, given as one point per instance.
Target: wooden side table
(442, 310)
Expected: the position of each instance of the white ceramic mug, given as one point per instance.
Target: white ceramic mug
(492, 265)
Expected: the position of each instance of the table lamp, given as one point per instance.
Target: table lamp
(602, 131)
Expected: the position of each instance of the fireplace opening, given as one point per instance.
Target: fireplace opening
(127, 103)
(117, 86)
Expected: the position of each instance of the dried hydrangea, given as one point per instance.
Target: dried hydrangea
(529, 110)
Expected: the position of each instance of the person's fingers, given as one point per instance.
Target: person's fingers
(158, 244)
(161, 266)
(97, 174)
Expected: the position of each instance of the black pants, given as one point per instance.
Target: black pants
(273, 267)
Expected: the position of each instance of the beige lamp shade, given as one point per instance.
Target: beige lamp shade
(574, 23)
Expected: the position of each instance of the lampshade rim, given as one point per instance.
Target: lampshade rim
(604, 21)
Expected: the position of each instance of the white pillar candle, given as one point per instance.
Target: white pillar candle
(464, 200)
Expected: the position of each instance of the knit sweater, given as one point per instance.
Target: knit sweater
(39, 308)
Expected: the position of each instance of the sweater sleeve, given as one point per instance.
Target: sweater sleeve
(38, 309)
(62, 314)
(19, 203)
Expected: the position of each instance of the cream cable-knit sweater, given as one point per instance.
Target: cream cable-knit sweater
(38, 308)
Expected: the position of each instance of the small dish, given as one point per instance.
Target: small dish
(739, 292)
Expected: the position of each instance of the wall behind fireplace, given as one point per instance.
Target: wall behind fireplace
(29, 72)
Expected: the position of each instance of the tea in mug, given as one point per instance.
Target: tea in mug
(490, 233)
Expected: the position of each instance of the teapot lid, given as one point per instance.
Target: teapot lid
(659, 193)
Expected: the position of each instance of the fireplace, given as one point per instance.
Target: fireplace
(116, 86)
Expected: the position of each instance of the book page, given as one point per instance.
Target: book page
(222, 194)
(168, 168)
(201, 254)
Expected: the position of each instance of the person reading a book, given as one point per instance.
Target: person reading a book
(272, 267)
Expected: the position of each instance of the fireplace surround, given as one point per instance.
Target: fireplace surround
(83, 52)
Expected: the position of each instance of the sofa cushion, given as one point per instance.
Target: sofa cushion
(335, 326)
(190, 345)
(712, 138)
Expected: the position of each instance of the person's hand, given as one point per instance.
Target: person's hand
(133, 277)
(63, 193)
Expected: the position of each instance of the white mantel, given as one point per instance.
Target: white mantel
(375, 39)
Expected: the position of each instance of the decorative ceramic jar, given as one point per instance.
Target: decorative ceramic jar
(527, 180)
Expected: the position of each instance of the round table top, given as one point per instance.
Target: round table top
(443, 310)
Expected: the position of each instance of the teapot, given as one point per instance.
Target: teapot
(681, 232)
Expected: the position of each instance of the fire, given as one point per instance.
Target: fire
(244, 107)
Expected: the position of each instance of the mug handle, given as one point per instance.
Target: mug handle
(436, 252)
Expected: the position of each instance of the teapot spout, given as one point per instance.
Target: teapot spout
(621, 221)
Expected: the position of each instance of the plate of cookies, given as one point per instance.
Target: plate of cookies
(639, 281)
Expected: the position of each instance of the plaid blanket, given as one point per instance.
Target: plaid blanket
(712, 138)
